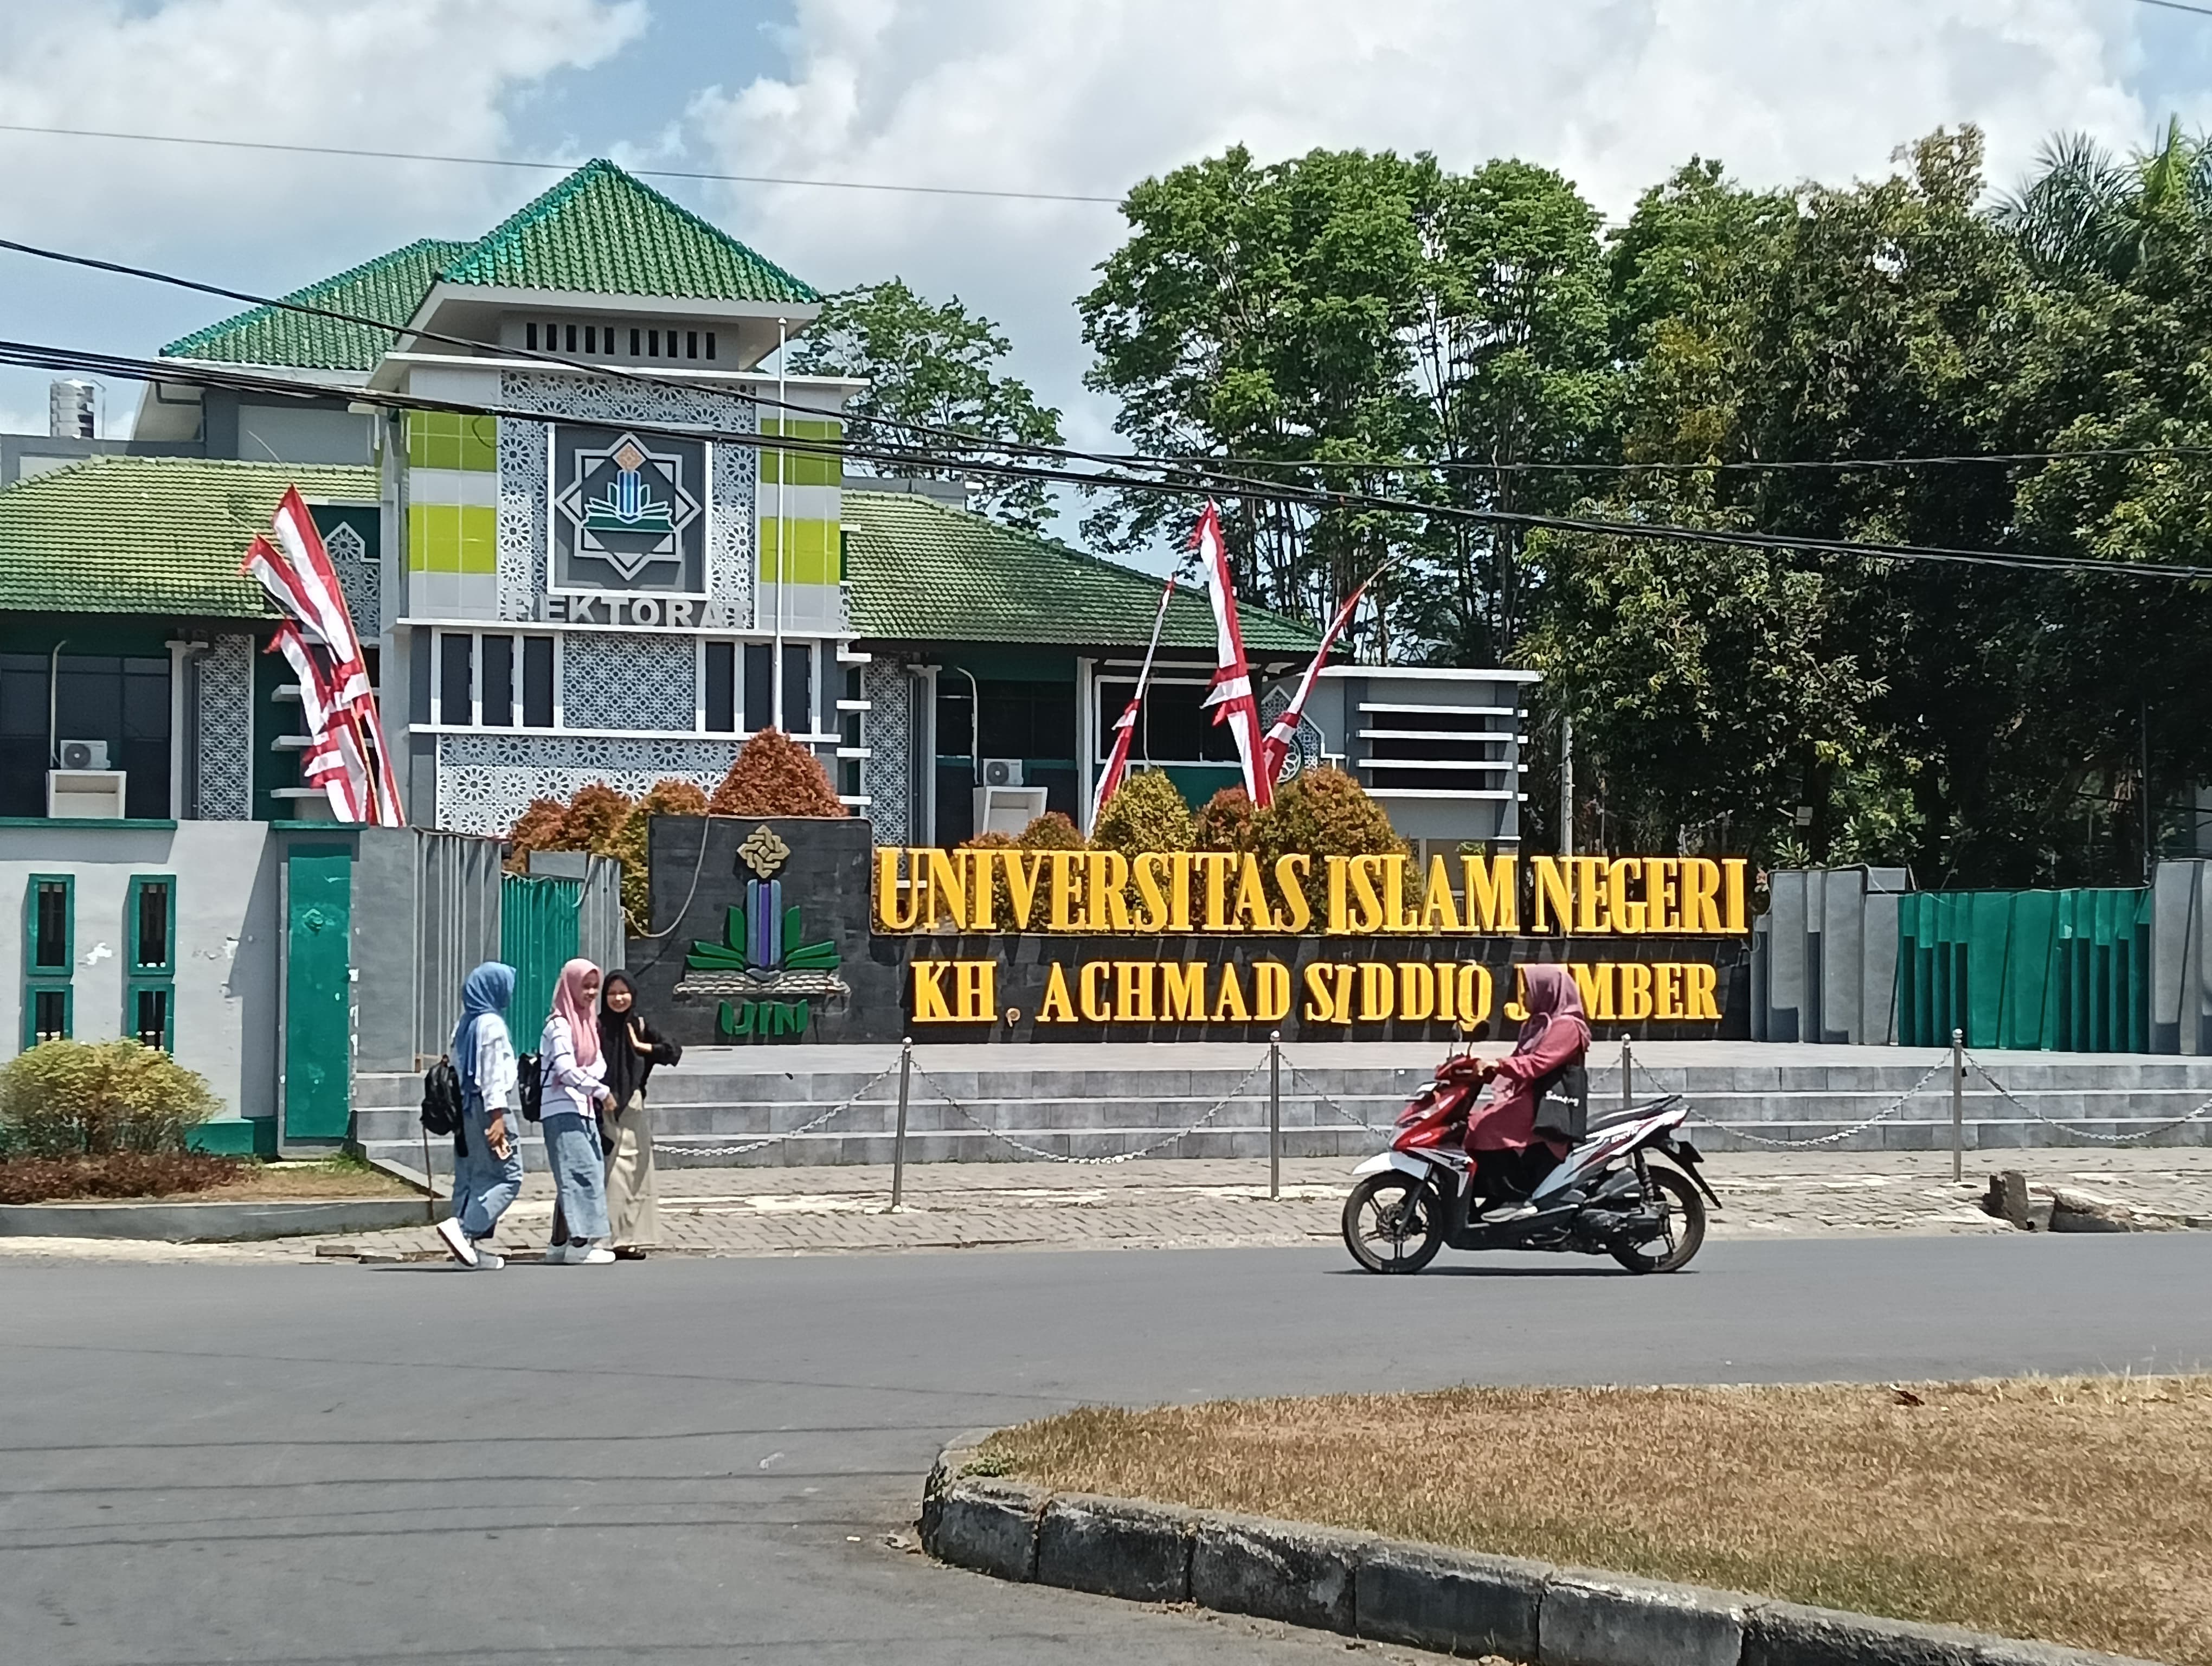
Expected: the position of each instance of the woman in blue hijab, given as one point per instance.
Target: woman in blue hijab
(487, 1171)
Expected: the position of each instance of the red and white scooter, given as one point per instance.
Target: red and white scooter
(1607, 1197)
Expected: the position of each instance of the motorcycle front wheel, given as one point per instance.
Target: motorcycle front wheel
(1392, 1224)
(1681, 1212)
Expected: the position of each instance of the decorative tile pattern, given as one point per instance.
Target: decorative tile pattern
(613, 400)
(629, 682)
(523, 544)
(485, 781)
(359, 578)
(887, 731)
(226, 731)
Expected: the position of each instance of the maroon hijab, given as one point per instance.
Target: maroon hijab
(1550, 995)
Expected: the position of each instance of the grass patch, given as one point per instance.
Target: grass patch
(2068, 1509)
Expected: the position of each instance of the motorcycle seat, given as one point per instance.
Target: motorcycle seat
(1613, 1119)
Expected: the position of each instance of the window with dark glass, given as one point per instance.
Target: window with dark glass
(149, 1015)
(457, 677)
(121, 702)
(653, 336)
(530, 335)
(537, 682)
(721, 688)
(691, 344)
(495, 705)
(710, 343)
(798, 688)
(48, 957)
(632, 343)
(149, 995)
(760, 686)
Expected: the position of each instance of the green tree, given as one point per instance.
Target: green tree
(1259, 314)
(931, 368)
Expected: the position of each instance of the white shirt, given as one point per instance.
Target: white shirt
(494, 1063)
(569, 1085)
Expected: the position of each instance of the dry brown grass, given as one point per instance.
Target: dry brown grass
(2074, 1510)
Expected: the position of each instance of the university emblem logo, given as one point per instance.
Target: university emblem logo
(763, 968)
(628, 511)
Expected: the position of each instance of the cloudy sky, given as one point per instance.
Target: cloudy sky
(1074, 96)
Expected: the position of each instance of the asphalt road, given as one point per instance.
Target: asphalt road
(689, 1462)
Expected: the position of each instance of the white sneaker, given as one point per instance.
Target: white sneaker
(598, 1255)
(556, 1254)
(457, 1243)
(487, 1263)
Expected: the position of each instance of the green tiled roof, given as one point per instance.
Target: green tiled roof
(597, 232)
(389, 288)
(150, 534)
(918, 570)
(601, 231)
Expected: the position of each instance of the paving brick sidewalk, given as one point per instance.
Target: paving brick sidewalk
(1163, 1202)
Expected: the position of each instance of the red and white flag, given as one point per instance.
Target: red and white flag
(1283, 732)
(346, 753)
(1232, 693)
(1125, 726)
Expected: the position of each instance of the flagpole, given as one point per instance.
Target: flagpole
(1145, 676)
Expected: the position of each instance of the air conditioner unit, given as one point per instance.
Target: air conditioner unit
(1007, 809)
(82, 754)
(1002, 772)
(81, 794)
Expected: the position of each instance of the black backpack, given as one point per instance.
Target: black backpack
(441, 1098)
(531, 1085)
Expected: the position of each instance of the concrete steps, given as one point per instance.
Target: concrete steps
(993, 1104)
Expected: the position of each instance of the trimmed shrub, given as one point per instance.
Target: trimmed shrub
(120, 1174)
(1324, 813)
(1001, 900)
(1225, 822)
(632, 847)
(775, 776)
(73, 1098)
(1145, 813)
(541, 826)
(1052, 831)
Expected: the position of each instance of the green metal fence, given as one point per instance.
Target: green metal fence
(538, 934)
(2063, 969)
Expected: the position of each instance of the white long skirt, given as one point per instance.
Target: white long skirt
(632, 1190)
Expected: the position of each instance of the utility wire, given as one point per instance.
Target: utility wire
(2176, 5)
(1201, 481)
(46, 357)
(559, 168)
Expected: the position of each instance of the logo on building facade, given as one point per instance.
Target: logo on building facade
(628, 512)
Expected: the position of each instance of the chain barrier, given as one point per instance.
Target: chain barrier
(1736, 1130)
(2008, 1096)
(978, 1122)
(1321, 1098)
(676, 1144)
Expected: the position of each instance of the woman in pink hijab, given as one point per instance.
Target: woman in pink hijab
(575, 1079)
(1553, 1036)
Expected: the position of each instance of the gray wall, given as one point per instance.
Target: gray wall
(2181, 959)
(226, 1017)
(1824, 956)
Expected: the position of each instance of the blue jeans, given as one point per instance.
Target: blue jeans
(483, 1185)
(579, 1172)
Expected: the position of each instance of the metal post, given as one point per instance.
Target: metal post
(1958, 1104)
(1274, 1114)
(429, 1186)
(1627, 1077)
(898, 1145)
(1566, 786)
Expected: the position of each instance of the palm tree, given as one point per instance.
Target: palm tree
(2086, 213)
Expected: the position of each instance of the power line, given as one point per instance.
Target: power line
(47, 357)
(1208, 481)
(2176, 5)
(558, 167)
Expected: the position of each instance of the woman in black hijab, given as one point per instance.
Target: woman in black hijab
(631, 1047)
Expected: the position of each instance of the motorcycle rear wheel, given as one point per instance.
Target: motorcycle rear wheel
(1392, 1224)
(1683, 1211)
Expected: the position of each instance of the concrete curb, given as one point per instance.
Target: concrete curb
(209, 1223)
(1450, 1601)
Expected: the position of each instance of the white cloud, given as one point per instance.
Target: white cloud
(402, 75)
(1089, 95)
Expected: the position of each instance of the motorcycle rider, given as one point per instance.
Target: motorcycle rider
(1510, 1156)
